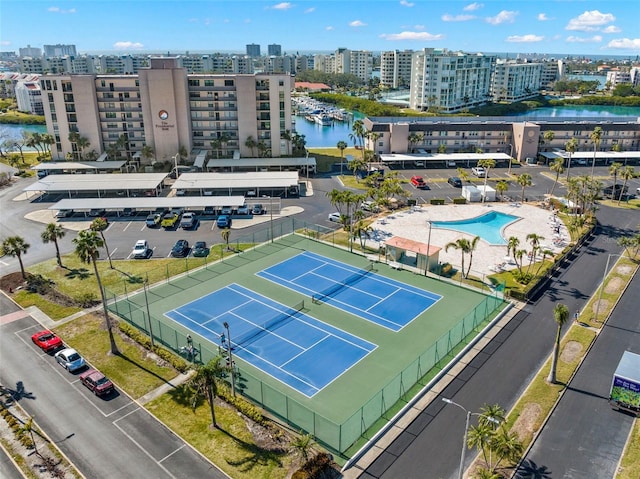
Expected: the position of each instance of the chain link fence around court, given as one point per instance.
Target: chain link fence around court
(133, 307)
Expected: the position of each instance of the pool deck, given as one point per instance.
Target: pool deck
(413, 224)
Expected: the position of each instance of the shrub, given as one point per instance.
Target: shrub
(460, 201)
(86, 300)
(437, 201)
(446, 270)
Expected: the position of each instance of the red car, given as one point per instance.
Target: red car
(47, 341)
(418, 182)
(96, 382)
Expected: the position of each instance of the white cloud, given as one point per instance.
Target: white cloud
(128, 46)
(423, 36)
(5, 43)
(530, 38)
(357, 23)
(473, 6)
(612, 29)
(60, 10)
(625, 43)
(310, 10)
(543, 17)
(282, 6)
(505, 16)
(593, 39)
(456, 18)
(590, 21)
(329, 28)
(419, 27)
(404, 3)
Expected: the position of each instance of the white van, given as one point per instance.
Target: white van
(418, 164)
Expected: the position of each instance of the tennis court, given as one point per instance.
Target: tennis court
(282, 341)
(376, 298)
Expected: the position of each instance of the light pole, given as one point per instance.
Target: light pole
(426, 268)
(466, 430)
(604, 277)
(233, 379)
(146, 301)
(175, 163)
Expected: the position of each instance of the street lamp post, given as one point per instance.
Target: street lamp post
(604, 277)
(146, 301)
(175, 163)
(233, 378)
(426, 268)
(466, 430)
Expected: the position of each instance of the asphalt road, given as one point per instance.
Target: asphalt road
(106, 438)
(585, 437)
(430, 446)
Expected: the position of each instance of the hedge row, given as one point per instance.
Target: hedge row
(177, 362)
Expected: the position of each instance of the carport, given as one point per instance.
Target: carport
(307, 165)
(250, 184)
(97, 185)
(448, 160)
(586, 157)
(71, 167)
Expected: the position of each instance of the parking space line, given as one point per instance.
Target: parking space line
(128, 224)
(169, 455)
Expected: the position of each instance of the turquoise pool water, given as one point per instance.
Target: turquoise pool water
(488, 226)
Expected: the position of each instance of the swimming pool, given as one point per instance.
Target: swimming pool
(488, 226)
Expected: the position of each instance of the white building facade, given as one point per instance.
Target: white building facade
(395, 68)
(515, 81)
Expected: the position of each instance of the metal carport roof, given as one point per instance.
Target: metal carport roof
(397, 157)
(95, 182)
(258, 163)
(147, 203)
(226, 181)
(80, 165)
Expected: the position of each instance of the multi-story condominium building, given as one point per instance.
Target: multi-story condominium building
(274, 50)
(515, 81)
(168, 109)
(9, 80)
(450, 81)
(617, 77)
(395, 68)
(634, 75)
(302, 63)
(281, 64)
(253, 50)
(59, 50)
(355, 62)
(518, 138)
(30, 51)
(28, 64)
(325, 63)
(550, 73)
(121, 65)
(29, 97)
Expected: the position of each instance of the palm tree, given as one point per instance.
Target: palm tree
(251, 143)
(464, 246)
(626, 174)
(548, 137)
(534, 240)
(570, 146)
(225, 233)
(558, 168)
(341, 145)
(99, 225)
(462, 173)
(512, 245)
(204, 384)
(359, 132)
(88, 244)
(52, 233)
(560, 315)
(501, 187)
(361, 230)
(286, 135)
(614, 169)
(302, 445)
(596, 137)
(215, 144)
(487, 164)
(472, 247)
(524, 180)
(147, 153)
(16, 246)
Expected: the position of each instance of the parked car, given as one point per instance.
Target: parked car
(370, 206)
(243, 210)
(70, 360)
(64, 213)
(47, 341)
(226, 210)
(180, 249)
(153, 220)
(581, 162)
(418, 182)
(479, 171)
(223, 221)
(141, 250)
(209, 211)
(169, 220)
(129, 212)
(200, 249)
(97, 382)
(455, 181)
(257, 209)
(614, 192)
(335, 217)
(189, 220)
(96, 212)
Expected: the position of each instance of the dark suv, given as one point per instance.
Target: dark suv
(180, 249)
(455, 181)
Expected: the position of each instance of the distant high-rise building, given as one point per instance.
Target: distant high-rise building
(274, 50)
(515, 81)
(30, 51)
(59, 50)
(253, 50)
(395, 68)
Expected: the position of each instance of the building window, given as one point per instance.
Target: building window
(228, 83)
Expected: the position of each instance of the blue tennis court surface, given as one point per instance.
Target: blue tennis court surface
(297, 349)
(378, 299)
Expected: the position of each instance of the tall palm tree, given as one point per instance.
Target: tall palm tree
(251, 143)
(596, 137)
(88, 244)
(204, 384)
(501, 187)
(341, 145)
(99, 225)
(147, 153)
(560, 316)
(463, 245)
(487, 164)
(570, 146)
(473, 244)
(225, 234)
(534, 240)
(361, 231)
(614, 169)
(359, 132)
(548, 137)
(52, 233)
(16, 246)
(286, 136)
(558, 168)
(626, 174)
(524, 180)
(512, 245)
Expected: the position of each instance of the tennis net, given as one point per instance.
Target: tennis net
(261, 329)
(334, 288)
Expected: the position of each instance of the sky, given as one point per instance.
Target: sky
(572, 27)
